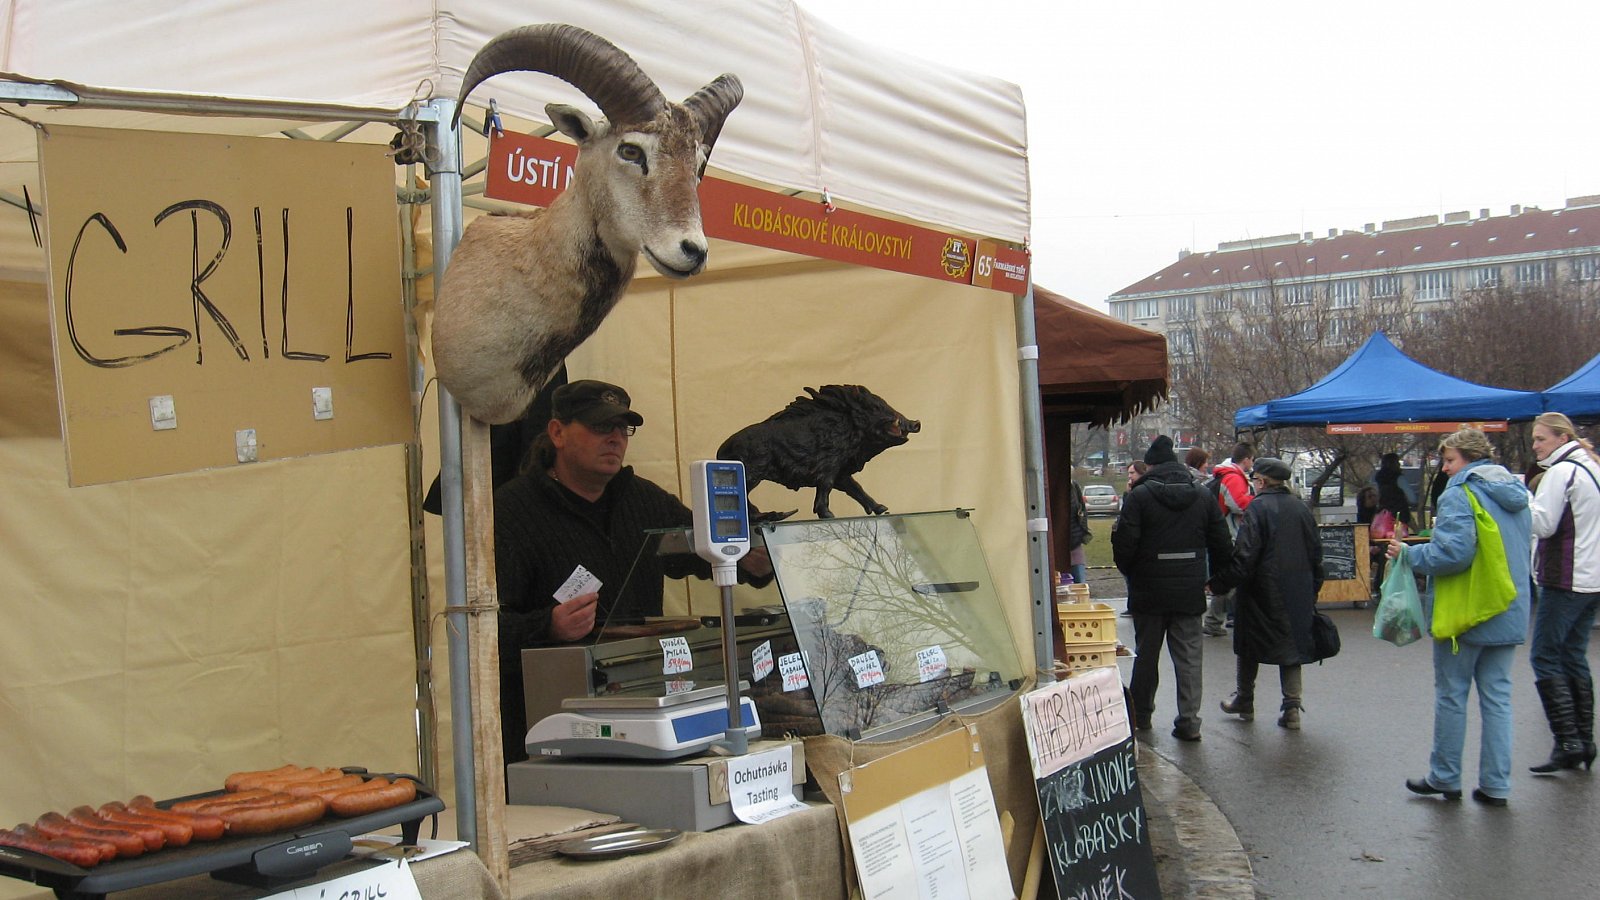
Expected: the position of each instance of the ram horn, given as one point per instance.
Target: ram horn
(581, 58)
(711, 104)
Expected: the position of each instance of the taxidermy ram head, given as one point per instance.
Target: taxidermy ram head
(523, 289)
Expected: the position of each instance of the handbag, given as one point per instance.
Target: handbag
(1465, 599)
(1398, 619)
(1324, 637)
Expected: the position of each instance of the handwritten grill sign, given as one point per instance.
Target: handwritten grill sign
(1096, 836)
(235, 300)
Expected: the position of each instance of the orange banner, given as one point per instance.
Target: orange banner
(1413, 427)
(534, 171)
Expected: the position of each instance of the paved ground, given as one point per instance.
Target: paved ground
(1324, 812)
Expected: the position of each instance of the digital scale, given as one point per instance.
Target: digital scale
(640, 727)
(687, 723)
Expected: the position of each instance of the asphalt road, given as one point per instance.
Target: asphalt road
(1324, 812)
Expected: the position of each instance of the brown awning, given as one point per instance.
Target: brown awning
(1093, 368)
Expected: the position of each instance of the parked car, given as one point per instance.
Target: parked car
(1101, 500)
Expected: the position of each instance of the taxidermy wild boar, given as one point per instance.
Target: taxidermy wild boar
(821, 441)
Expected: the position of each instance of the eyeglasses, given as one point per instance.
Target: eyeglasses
(604, 429)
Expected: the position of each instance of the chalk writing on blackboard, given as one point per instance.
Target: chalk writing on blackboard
(1338, 551)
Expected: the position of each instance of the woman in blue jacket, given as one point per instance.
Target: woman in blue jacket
(1486, 650)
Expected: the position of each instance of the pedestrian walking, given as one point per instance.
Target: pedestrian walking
(1566, 520)
(1168, 538)
(1275, 575)
(1230, 482)
(1481, 655)
(1078, 534)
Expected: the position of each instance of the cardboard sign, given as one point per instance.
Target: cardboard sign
(1096, 835)
(237, 300)
(923, 823)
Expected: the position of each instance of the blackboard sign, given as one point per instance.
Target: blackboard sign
(1338, 551)
(1097, 837)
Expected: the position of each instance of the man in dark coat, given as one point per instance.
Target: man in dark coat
(1169, 538)
(1277, 570)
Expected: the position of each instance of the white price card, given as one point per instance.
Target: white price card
(675, 656)
(679, 686)
(761, 661)
(390, 881)
(793, 670)
(869, 671)
(931, 663)
(760, 786)
(580, 582)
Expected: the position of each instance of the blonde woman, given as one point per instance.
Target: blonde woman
(1486, 650)
(1566, 520)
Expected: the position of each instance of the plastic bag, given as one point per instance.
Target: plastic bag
(1399, 616)
(1382, 528)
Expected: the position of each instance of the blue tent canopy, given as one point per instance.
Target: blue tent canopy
(1578, 394)
(1378, 383)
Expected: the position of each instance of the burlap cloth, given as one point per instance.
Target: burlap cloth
(1005, 755)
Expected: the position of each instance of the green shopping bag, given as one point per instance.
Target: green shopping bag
(1483, 591)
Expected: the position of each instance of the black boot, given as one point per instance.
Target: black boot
(1583, 715)
(1556, 694)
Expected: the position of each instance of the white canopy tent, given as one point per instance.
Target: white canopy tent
(823, 111)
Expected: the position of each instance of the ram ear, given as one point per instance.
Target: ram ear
(573, 122)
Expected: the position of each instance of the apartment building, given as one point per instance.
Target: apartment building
(1407, 267)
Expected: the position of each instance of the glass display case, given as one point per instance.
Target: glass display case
(887, 623)
(896, 620)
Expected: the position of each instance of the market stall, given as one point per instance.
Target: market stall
(1379, 383)
(203, 610)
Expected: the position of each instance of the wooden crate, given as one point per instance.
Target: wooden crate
(1091, 655)
(1087, 623)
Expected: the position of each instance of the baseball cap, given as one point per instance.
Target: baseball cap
(593, 403)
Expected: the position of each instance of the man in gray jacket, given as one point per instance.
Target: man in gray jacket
(1169, 538)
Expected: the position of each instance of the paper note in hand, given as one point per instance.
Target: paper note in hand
(580, 582)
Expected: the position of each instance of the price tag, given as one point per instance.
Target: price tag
(793, 670)
(761, 661)
(869, 671)
(675, 656)
(679, 686)
(931, 663)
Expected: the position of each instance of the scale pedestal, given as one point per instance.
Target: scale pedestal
(689, 795)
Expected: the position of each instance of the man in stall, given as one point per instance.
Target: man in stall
(576, 504)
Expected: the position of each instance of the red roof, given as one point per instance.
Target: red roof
(1532, 231)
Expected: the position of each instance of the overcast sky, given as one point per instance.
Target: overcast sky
(1160, 126)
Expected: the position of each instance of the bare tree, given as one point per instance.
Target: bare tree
(1524, 338)
(1277, 338)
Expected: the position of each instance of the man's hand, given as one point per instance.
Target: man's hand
(574, 619)
(1394, 548)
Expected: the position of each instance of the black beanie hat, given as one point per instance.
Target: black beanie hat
(1160, 451)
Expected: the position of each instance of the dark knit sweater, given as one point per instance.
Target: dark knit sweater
(542, 532)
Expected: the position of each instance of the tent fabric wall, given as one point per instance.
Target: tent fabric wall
(705, 358)
(168, 630)
(822, 109)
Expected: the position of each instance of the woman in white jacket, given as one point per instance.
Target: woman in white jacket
(1566, 522)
